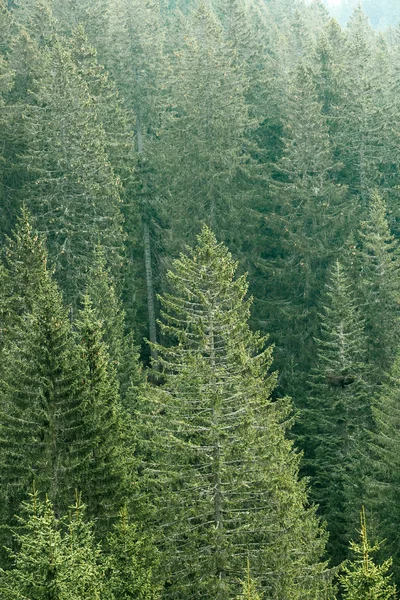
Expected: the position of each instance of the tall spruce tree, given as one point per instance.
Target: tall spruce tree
(384, 480)
(99, 452)
(130, 562)
(338, 414)
(75, 194)
(201, 149)
(42, 394)
(228, 476)
(135, 57)
(361, 116)
(120, 344)
(377, 267)
(306, 223)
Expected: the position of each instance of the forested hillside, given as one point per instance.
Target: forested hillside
(199, 301)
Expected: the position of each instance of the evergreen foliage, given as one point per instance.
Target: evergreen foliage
(54, 559)
(249, 591)
(308, 222)
(384, 473)
(362, 578)
(377, 281)
(125, 125)
(208, 107)
(229, 477)
(99, 451)
(130, 555)
(42, 388)
(338, 413)
(75, 196)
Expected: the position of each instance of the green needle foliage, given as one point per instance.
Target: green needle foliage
(99, 451)
(384, 484)
(377, 279)
(129, 563)
(228, 476)
(75, 196)
(42, 388)
(362, 578)
(338, 413)
(249, 591)
(53, 559)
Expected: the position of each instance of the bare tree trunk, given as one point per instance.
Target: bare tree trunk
(218, 495)
(147, 262)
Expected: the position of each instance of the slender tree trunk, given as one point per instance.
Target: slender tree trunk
(147, 261)
(150, 287)
(218, 498)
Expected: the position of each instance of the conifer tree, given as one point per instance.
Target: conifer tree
(53, 558)
(206, 177)
(377, 267)
(75, 196)
(307, 222)
(109, 310)
(42, 385)
(130, 563)
(138, 66)
(111, 112)
(361, 116)
(24, 259)
(362, 578)
(249, 591)
(338, 414)
(99, 453)
(384, 481)
(228, 476)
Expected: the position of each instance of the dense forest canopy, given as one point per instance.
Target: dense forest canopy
(199, 300)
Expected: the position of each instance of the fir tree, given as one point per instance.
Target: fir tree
(138, 66)
(209, 109)
(361, 116)
(228, 476)
(111, 112)
(338, 413)
(362, 578)
(249, 591)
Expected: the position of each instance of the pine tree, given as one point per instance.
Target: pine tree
(338, 414)
(137, 64)
(24, 258)
(362, 578)
(130, 563)
(75, 196)
(55, 559)
(109, 310)
(111, 112)
(228, 476)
